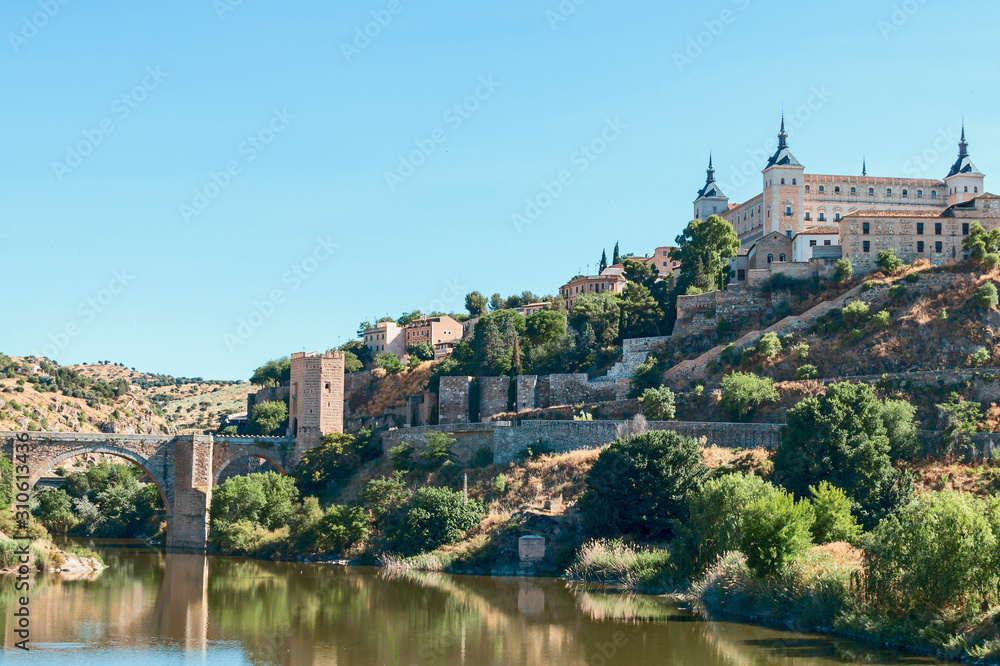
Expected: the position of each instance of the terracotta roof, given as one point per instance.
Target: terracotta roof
(826, 229)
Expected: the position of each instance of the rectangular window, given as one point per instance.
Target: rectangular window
(808, 216)
(965, 228)
(812, 243)
(826, 242)
(788, 210)
(867, 246)
(920, 247)
(865, 228)
(920, 228)
(938, 247)
(822, 217)
(741, 275)
(937, 228)
(836, 217)
(788, 233)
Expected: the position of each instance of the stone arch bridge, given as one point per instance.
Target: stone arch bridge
(184, 468)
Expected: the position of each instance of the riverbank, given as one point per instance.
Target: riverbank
(44, 556)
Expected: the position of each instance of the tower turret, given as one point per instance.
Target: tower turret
(964, 180)
(711, 200)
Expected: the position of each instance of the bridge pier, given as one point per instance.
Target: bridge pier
(192, 496)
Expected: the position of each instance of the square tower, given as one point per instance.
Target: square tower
(315, 399)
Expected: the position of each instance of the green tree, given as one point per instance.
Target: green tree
(962, 418)
(6, 483)
(715, 526)
(389, 362)
(269, 419)
(476, 304)
(497, 303)
(352, 363)
(604, 261)
(266, 500)
(638, 485)
(743, 393)
(899, 419)
(55, 511)
(272, 373)
(658, 404)
(937, 553)
(545, 327)
(617, 256)
(332, 465)
(843, 272)
(888, 261)
(705, 249)
(384, 495)
(776, 530)
(981, 243)
(602, 312)
(834, 521)
(840, 437)
(855, 313)
(422, 350)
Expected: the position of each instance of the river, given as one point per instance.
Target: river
(153, 608)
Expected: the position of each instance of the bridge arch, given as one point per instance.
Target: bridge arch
(264, 454)
(132, 457)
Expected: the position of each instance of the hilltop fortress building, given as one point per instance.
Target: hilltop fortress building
(802, 223)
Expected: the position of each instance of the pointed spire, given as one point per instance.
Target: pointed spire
(782, 136)
(711, 170)
(963, 145)
(864, 166)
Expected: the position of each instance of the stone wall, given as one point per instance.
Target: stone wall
(453, 400)
(738, 305)
(494, 395)
(470, 438)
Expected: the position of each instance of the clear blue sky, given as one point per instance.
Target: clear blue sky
(200, 77)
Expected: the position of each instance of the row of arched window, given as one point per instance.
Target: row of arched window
(888, 191)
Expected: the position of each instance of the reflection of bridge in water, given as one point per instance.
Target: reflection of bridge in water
(184, 468)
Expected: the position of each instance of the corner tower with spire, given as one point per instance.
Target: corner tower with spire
(964, 180)
(711, 200)
(784, 190)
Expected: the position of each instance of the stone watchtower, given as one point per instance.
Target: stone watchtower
(315, 399)
(964, 180)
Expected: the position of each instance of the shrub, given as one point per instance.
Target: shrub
(881, 320)
(8, 553)
(638, 485)
(743, 393)
(500, 484)
(335, 462)
(986, 296)
(888, 260)
(943, 314)
(979, 358)
(801, 351)
(806, 371)
(897, 290)
(855, 312)
(769, 345)
(912, 277)
(776, 530)
(840, 437)
(55, 510)
(241, 537)
(266, 500)
(614, 562)
(435, 517)
(834, 521)
(938, 552)
(715, 525)
(843, 271)
(990, 261)
(340, 528)
(269, 418)
(424, 351)
(658, 404)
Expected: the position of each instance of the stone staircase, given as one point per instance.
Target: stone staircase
(635, 351)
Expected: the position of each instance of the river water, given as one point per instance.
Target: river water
(154, 608)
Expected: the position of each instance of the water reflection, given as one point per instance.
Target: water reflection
(158, 608)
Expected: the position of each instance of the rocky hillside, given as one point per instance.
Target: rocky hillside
(38, 394)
